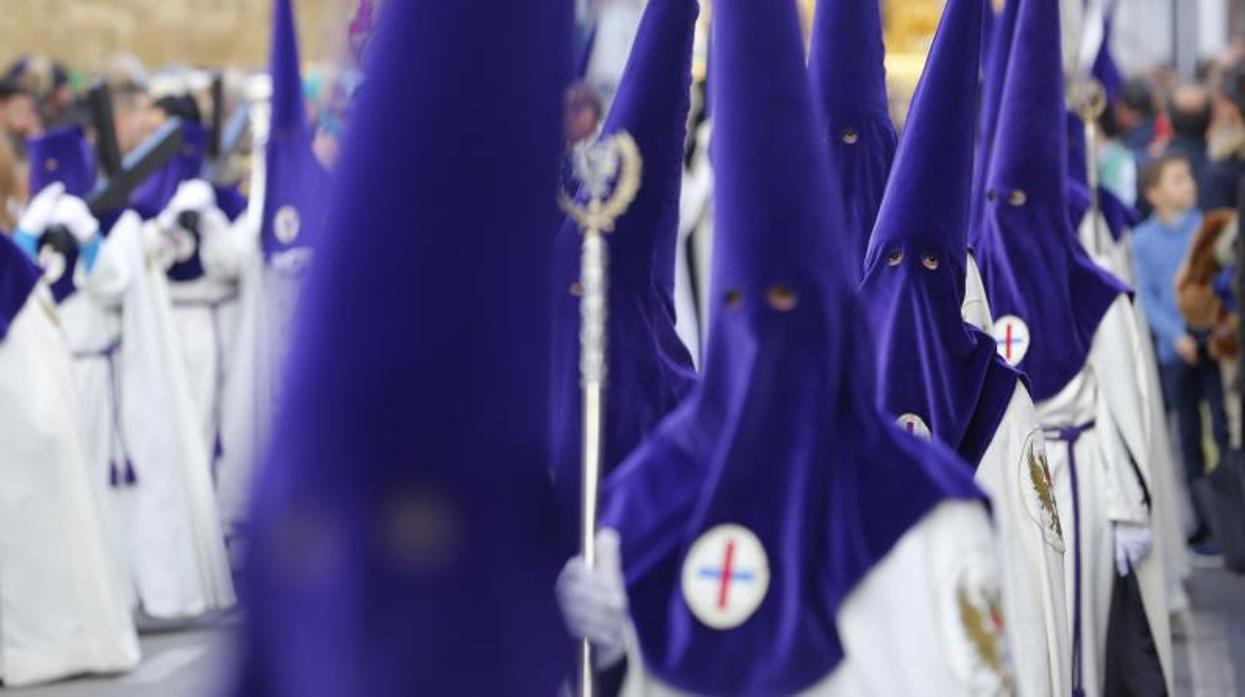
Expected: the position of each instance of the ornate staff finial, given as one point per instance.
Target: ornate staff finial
(1088, 99)
(608, 173)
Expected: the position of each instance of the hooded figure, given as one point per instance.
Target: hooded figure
(204, 255)
(1069, 325)
(262, 261)
(145, 455)
(650, 370)
(769, 530)
(61, 608)
(942, 378)
(997, 53)
(846, 64)
(405, 537)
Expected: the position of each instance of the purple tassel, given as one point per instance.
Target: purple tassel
(130, 477)
(113, 476)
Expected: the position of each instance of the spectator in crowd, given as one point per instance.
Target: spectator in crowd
(12, 191)
(19, 115)
(1189, 111)
(1190, 376)
(48, 82)
(1226, 145)
(1135, 116)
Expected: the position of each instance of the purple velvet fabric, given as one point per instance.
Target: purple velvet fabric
(18, 276)
(994, 74)
(404, 539)
(933, 365)
(1032, 263)
(296, 185)
(62, 155)
(846, 64)
(781, 436)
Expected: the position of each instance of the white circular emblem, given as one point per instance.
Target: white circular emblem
(286, 224)
(915, 425)
(725, 576)
(1011, 334)
(183, 244)
(53, 264)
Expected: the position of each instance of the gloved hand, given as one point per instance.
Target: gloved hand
(594, 601)
(38, 214)
(195, 196)
(72, 212)
(1132, 544)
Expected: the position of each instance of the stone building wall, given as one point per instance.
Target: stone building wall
(197, 32)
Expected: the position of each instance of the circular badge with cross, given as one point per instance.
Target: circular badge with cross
(725, 576)
(1011, 334)
(915, 425)
(286, 224)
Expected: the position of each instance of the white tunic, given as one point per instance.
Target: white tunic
(922, 622)
(1014, 473)
(216, 322)
(163, 525)
(1105, 393)
(1170, 493)
(61, 612)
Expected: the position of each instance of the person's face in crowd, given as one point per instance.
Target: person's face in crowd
(21, 116)
(1175, 191)
(1191, 111)
(131, 115)
(581, 123)
(1127, 117)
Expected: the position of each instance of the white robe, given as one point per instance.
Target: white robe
(696, 225)
(164, 528)
(1014, 474)
(1113, 351)
(1171, 515)
(1106, 393)
(61, 612)
(935, 636)
(217, 323)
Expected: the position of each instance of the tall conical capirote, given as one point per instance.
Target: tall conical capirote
(848, 72)
(994, 77)
(296, 184)
(403, 534)
(934, 366)
(780, 438)
(1036, 274)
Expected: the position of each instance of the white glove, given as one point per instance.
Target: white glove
(1132, 544)
(594, 602)
(72, 212)
(38, 214)
(195, 195)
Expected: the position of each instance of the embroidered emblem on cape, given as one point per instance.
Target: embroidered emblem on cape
(725, 576)
(979, 652)
(915, 425)
(1012, 336)
(286, 224)
(1037, 488)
